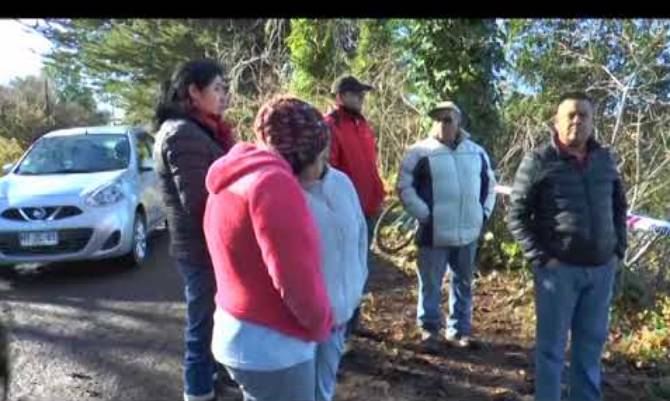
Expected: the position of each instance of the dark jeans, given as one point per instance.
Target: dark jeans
(199, 364)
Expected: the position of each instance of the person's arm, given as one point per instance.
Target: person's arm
(348, 190)
(375, 157)
(521, 210)
(188, 160)
(620, 216)
(363, 245)
(490, 197)
(289, 242)
(405, 186)
(335, 159)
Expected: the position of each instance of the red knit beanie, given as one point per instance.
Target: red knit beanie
(294, 128)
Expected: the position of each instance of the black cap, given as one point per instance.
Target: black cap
(349, 83)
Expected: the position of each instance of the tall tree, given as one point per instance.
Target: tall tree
(458, 60)
(31, 106)
(320, 51)
(127, 59)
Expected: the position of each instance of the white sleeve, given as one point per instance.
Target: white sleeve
(490, 201)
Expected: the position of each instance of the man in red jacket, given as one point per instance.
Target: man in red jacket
(353, 150)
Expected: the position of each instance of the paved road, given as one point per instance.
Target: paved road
(96, 331)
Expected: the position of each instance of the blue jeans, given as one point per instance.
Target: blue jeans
(199, 364)
(433, 263)
(296, 383)
(576, 299)
(328, 356)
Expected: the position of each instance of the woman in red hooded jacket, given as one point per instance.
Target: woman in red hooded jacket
(272, 306)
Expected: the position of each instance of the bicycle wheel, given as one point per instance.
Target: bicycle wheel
(395, 229)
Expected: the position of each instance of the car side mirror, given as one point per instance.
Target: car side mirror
(7, 168)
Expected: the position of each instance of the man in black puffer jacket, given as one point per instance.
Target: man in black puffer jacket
(568, 212)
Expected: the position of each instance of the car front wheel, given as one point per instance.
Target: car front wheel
(140, 250)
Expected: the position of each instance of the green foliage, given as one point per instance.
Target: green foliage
(457, 60)
(376, 40)
(320, 51)
(312, 50)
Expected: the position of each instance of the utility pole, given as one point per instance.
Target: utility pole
(47, 105)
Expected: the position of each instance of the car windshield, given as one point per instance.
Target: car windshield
(77, 154)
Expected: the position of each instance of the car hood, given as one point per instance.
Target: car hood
(16, 188)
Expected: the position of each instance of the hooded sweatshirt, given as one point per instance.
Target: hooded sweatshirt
(264, 245)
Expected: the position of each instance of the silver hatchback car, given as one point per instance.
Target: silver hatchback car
(81, 194)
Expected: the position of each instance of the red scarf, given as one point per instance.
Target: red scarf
(223, 132)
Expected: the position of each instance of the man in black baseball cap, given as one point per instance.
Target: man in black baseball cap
(349, 83)
(353, 144)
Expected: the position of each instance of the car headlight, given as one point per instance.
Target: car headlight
(106, 195)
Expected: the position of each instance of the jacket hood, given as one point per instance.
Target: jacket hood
(241, 160)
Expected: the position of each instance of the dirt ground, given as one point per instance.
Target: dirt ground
(388, 363)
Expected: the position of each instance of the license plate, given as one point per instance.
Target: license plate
(43, 238)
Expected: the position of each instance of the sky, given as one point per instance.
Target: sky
(21, 50)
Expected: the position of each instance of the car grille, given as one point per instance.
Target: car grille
(69, 241)
(48, 213)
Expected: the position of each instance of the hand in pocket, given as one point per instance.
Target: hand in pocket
(553, 262)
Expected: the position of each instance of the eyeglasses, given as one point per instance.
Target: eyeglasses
(446, 120)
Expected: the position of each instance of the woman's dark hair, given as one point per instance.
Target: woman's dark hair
(173, 98)
(299, 165)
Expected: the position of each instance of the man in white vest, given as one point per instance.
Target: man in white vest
(446, 181)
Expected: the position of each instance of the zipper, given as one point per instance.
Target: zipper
(460, 191)
(589, 206)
